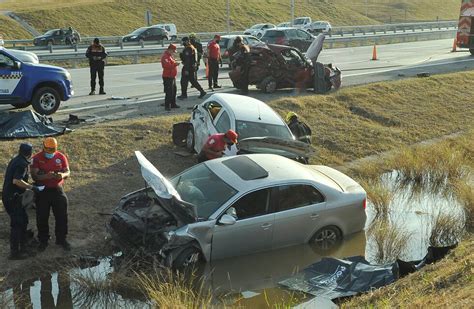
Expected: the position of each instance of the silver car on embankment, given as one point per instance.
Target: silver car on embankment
(237, 205)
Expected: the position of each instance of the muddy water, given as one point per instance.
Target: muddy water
(252, 281)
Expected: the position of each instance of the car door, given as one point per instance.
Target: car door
(12, 81)
(297, 211)
(222, 124)
(252, 231)
(202, 118)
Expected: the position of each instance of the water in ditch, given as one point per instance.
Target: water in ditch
(252, 280)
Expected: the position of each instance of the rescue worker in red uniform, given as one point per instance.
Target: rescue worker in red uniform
(170, 70)
(215, 145)
(96, 54)
(49, 168)
(213, 60)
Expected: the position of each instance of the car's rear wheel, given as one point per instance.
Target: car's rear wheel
(190, 139)
(268, 85)
(187, 259)
(46, 101)
(327, 237)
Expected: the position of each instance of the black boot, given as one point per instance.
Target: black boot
(203, 93)
(183, 96)
(92, 92)
(101, 91)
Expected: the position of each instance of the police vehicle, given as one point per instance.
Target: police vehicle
(23, 84)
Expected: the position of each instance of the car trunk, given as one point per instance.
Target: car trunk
(341, 182)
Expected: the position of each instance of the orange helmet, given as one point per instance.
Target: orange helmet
(50, 143)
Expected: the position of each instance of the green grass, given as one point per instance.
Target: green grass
(94, 17)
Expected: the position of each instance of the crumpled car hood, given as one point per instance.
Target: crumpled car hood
(274, 145)
(315, 48)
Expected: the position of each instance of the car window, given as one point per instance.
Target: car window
(295, 196)
(303, 34)
(6, 61)
(223, 123)
(292, 57)
(292, 33)
(252, 205)
(247, 129)
(167, 28)
(214, 108)
(251, 41)
(223, 43)
(273, 34)
(199, 186)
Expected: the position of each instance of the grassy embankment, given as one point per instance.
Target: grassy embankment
(349, 124)
(11, 30)
(93, 17)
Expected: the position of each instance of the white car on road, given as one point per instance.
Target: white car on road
(259, 29)
(318, 27)
(260, 128)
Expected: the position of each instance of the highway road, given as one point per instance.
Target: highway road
(136, 90)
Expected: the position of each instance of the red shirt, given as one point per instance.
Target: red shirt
(214, 50)
(215, 142)
(170, 69)
(58, 163)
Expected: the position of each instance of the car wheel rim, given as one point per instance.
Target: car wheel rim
(189, 139)
(192, 259)
(271, 86)
(47, 101)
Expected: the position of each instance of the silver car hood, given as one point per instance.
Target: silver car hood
(315, 48)
(164, 189)
(274, 145)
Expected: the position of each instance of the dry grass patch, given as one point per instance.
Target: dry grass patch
(11, 30)
(388, 241)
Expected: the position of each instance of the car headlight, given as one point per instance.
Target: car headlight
(67, 75)
(133, 37)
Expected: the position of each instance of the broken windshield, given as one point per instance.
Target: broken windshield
(202, 188)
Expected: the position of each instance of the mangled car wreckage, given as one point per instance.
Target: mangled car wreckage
(276, 66)
(235, 206)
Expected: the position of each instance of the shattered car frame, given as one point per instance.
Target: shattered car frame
(233, 206)
(277, 66)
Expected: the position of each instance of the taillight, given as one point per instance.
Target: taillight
(364, 203)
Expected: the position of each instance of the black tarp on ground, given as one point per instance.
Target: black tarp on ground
(27, 124)
(334, 278)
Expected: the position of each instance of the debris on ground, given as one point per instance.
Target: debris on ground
(28, 124)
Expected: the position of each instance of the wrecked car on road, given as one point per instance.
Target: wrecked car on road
(236, 206)
(260, 128)
(276, 67)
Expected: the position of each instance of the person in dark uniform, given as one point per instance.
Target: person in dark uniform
(198, 46)
(241, 54)
(49, 168)
(96, 54)
(189, 60)
(300, 130)
(15, 183)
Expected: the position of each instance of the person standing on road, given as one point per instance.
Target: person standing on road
(170, 70)
(216, 144)
(50, 167)
(300, 130)
(213, 60)
(189, 59)
(15, 184)
(241, 54)
(198, 46)
(96, 54)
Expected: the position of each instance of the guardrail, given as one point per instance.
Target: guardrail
(110, 41)
(330, 42)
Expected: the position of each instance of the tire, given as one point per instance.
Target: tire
(21, 105)
(174, 37)
(190, 140)
(471, 50)
(188, 258)
(268, 85)
(327, 237)
(46, 101)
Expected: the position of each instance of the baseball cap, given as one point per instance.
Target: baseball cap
(217, 37)
(50, 143)
(172, 46)
(232, 136)
(96, 41)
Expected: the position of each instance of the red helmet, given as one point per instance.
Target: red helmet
(232, 136)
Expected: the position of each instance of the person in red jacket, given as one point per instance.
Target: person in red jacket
(215, 145)
(213, 59)
(170, 70)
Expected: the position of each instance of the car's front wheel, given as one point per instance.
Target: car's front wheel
(326, 237)
(46, 101)
(187, 259)
(268, 85)
(190, 139)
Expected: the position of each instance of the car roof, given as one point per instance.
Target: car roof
(247, 108)
(279, 170)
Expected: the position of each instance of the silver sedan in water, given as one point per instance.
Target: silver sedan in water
(237, 205)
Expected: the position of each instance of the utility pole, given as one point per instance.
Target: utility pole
(228, 16)
(366, 8)
(292, 4)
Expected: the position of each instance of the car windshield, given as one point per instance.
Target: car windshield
(50, 32)
(273, 34)
(223, 43)
(202, 188)
(257, 26)
(299, 21)
(138, 31)
(247, 129)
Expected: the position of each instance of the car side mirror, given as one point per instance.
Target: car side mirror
(227, 220)
(17, 65)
